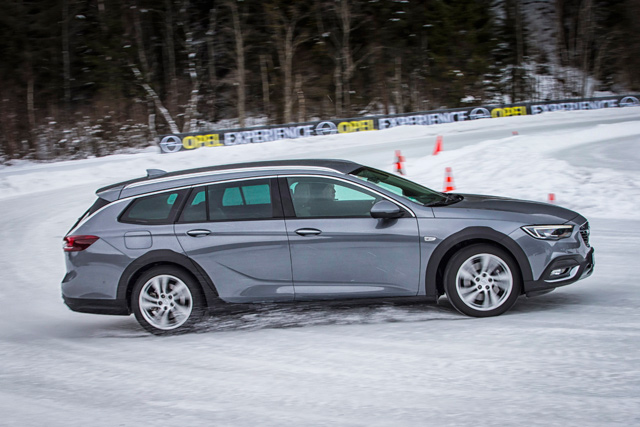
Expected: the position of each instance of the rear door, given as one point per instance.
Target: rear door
(338, 250)
(236, 232)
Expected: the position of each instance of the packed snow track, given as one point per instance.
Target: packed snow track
(568, 358)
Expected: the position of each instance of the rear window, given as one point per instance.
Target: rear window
(155, 209)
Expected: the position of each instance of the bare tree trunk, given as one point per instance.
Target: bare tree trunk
(31, 110)
(170, 62)
(287, 39)
(31, 115)
(381, 79)
(414, 91)
(266, 103)
(586, 33)
(66, 57)
(142, 56)
(560, 33)
(344, 13)
(287, 65)
(152, 124)
(347, 54)
(211, 63)
(601, 51)
(343, 54)
(398, 86)
(103, 20)
(156, 100)
(337, 78)
(33, 145)
(518, 78)
(190, 116)
(239, 44)
(190, 120)
(385, 97)
(519, 34)
(7, 127)
(144, 78)
(301, 101)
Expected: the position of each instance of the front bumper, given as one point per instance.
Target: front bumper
(575, 267)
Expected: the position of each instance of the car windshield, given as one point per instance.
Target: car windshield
(402, 187)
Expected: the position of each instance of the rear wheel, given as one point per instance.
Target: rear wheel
(482, 280)
(167, 300)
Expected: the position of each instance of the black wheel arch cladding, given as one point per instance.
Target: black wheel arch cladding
(467, 236)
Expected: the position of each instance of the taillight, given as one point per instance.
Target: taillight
(78, 243)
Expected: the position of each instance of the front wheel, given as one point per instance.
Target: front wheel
(482, 280)
(167, 300)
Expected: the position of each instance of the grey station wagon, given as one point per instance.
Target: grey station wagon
(171, 245)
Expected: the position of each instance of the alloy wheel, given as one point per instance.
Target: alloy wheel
(165, 302)
(484, 282)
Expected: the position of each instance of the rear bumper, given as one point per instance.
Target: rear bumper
(97, 306)
(576, 266)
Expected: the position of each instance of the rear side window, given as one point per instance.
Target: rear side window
(259, 194)
(196, 208)
(155, 209)
(239, 200)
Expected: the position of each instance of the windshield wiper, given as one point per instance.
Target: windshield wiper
(449, 199)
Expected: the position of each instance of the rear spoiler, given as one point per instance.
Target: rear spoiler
(112, 192)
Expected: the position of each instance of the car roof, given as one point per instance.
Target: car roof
(114, 191)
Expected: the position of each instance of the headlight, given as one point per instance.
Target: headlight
(549, 232)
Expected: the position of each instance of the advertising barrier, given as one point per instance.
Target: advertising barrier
(216, 138)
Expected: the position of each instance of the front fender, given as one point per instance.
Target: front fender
(468, 236)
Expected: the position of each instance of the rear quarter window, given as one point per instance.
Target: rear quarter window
(97, 205)
(155, 209)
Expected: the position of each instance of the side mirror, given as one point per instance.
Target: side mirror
(387, 210)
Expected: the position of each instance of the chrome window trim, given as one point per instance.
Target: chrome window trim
(231, 180)
(190, 186)
(225, 171)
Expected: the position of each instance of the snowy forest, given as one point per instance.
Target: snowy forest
(93, 77)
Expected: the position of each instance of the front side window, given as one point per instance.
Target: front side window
(238, 200)
(400, 186)
(316, 197)
(155, 209)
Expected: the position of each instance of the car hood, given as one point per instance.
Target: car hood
(500, 208)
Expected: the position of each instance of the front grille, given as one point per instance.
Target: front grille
(584, 232)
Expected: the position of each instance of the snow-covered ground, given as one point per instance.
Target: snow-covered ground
(567, 358)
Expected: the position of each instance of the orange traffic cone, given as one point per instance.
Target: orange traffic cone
(448, 180)
(438, 147)
(399, 163)
(552, 198)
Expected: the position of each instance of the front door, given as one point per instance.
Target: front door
(339, 251)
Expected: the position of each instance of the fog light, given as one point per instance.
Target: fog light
(559, 272)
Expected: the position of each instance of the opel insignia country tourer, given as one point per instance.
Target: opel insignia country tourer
(169, 246)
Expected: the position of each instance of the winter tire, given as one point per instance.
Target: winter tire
(167, 300)
(482, 280)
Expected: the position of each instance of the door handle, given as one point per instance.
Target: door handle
(308, 231)
(198, 233)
